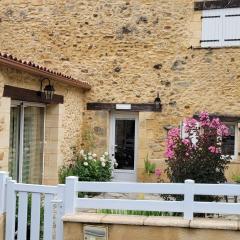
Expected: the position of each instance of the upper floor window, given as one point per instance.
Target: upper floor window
(221, 27)
(229, 143)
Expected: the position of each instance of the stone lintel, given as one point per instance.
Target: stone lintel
(133, 107)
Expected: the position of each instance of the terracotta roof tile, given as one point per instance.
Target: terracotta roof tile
(33, 68)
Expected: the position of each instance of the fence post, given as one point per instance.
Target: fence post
(60, 211)
(3, 182)
(70, 195)
(10, 209)
(188, 199)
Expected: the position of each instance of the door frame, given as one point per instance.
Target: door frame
(23, 104)
(124, 116)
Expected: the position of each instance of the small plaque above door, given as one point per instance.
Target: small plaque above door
(123, 106)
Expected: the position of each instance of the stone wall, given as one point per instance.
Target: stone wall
(152, 228)
(4, 132)
(128, 50)
(121, 232)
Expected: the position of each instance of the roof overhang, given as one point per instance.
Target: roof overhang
(32, 68)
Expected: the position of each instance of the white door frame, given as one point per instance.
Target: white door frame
(130, 174)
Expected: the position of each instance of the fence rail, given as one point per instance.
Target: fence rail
(187, 206)
(66, 199)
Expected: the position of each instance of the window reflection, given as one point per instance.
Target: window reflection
(228, 143)
(125, 141)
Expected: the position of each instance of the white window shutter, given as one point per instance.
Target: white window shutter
(182, 130)
(211, 28)
(194, 135)
(186, 135)
(231, 27)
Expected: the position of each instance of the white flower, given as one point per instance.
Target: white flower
(85, 163)
(89, 154)
(94, 155)
(82, 152)
(90, 158)
(103, 164)
(114, 161)
(102, 159)
(106, 153)
(94, 160)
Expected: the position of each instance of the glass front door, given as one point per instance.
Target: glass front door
(26, 142)
(123, 144)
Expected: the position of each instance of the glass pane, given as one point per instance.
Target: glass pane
(229, 141)
(33, 145)
(125, 141)
(14, 142)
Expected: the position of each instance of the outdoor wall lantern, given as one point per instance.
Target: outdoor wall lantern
(48, 91)
(157, 102)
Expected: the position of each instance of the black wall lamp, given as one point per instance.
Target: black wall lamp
(157, 102)
(48, 91)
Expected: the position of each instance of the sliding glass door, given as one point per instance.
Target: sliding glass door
(26, 142)
(14, 141)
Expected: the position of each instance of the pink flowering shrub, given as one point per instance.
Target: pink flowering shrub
(196, 152)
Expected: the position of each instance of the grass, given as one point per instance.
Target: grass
(136, 213)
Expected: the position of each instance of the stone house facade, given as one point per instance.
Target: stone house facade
(127, 50)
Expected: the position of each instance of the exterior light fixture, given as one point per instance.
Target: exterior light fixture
(48, 91)
(157, 102)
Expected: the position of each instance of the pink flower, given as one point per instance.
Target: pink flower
(215, 123)
(212, 149)
(173, 136)
(223, 130)
(190, 124)
(204, 119)
(169, 153)
(158, 172)
(215, 150)
(174, 132)
(186, 141)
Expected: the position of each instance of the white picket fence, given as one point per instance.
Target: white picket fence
(41, 196)
(66, 199)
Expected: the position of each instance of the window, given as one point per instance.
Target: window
(221, 27)
(26, 142)
(229, 143)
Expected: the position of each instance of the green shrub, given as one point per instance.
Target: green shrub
(87, 167)
(149, 166)
(236, 178)
(198, 155)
